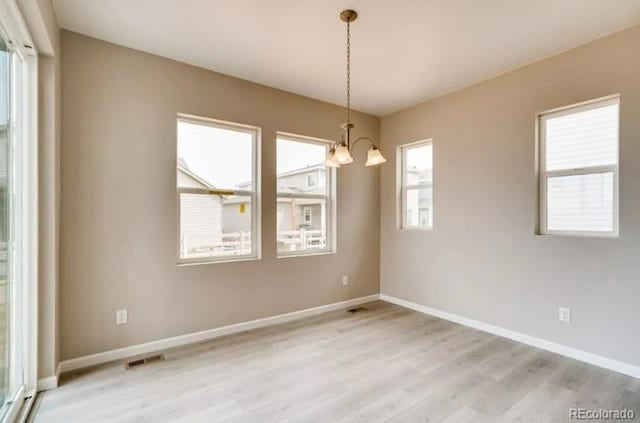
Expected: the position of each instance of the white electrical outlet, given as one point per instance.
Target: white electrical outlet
(564, 314)
(121, 316)
(345, 280)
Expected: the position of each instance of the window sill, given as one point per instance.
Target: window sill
(417, 228)
(589, 235)
(315, 253)
(215, 261)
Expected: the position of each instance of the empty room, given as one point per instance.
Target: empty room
(319, 211)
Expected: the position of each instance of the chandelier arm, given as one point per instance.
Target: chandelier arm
(371, 143)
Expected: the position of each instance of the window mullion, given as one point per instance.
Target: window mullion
(581, 171)
(303, 195)
(419, 186)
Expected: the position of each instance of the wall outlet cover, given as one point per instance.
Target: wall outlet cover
(564, 314)
(121, 316)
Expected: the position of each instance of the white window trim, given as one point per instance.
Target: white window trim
(402, 188)
(544, 174)
(254, 194)
(330, 197)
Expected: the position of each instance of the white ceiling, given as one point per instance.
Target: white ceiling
(403, 51)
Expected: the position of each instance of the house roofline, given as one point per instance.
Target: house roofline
(195, 177)
(318, 166)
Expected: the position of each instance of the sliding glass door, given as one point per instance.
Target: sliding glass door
(5, 283)
(12, 341)
(18, 212)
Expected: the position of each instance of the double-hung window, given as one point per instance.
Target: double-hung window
(218, 190)
(416, 185)
(306, 197)
(579, 169)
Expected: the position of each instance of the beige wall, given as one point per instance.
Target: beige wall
(482, 260)
(118, 227)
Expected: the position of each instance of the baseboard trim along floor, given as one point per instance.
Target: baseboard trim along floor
(51, 382)
(382, 363)
(176, 341)
(586, 357)
(121, 353)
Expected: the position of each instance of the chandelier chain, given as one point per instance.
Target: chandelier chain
(340, 152)
(348, 71)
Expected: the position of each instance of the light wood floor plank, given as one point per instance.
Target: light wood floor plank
(543, 404)
(465, 415)
(385, 363)
(503, 394)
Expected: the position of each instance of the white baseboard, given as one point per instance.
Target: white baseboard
(51, 382)
(176, 341)
(121, 353)
(596, 360)
(47, 383)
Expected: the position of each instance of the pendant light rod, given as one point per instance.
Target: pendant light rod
(348, 71)
(340, 153)
(348, 16)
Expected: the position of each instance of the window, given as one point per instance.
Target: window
(416, 185)
(306, 197)
(311, 180)
(579, 169)
(424, 217)
(308, 215)
(218, 190)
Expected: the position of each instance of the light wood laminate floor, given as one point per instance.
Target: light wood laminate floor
(385, 363)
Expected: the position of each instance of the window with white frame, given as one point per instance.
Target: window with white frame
(218, 190)
(416, 185)
(306, 196)
(579, 169)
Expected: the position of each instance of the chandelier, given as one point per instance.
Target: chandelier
(340, 153)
